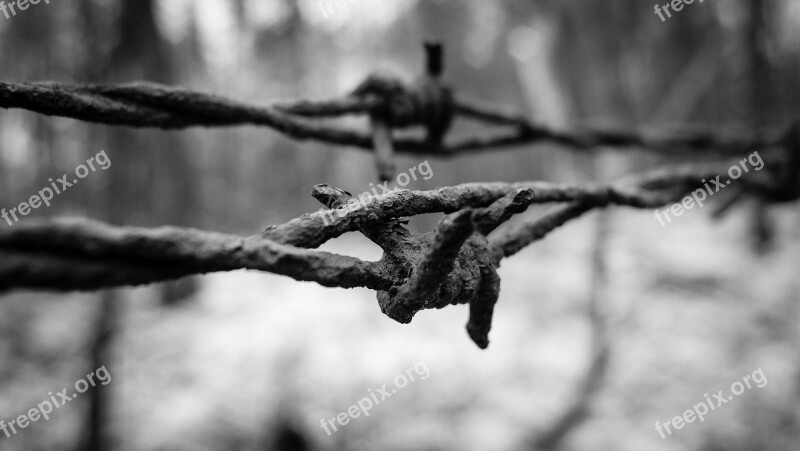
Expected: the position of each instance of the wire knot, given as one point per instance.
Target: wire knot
(456, 267)
(454, 264)
(427, 102)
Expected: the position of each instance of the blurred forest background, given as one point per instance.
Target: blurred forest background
(605, 327)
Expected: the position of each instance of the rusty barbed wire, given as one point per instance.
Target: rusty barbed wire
(454, 264)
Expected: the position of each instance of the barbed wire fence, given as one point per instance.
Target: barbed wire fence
(456, 263)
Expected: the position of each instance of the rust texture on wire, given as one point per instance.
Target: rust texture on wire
(456, 263)
(427, 103)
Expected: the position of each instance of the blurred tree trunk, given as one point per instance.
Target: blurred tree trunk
(288, 56)
(95, 434)
(760, 96)
(144, 172)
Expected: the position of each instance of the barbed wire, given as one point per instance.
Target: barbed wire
(456, 263)
(146, 104)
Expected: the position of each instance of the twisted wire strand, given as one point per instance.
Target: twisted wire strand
(79, 254)
(153, 105)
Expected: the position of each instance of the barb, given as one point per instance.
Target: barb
(436, 263)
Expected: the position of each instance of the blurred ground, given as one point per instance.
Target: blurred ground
(691, 311)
